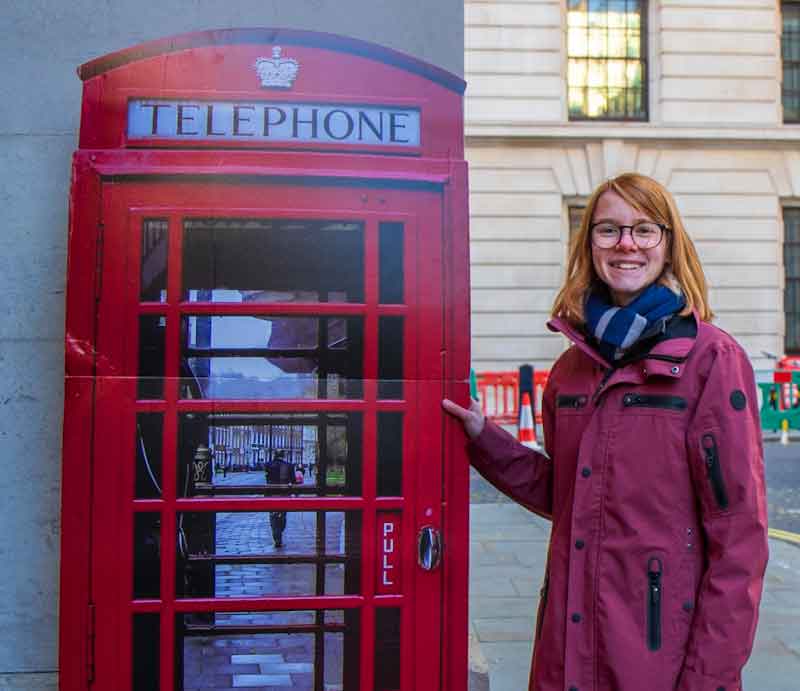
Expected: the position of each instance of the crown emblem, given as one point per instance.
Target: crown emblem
(277, 72)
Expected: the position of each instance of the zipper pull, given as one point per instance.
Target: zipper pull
(654, 576)
(715, 470)
(602, 383)
(654, 571)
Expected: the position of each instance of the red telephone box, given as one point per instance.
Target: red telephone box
(267, 300)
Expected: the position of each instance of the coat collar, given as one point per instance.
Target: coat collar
(665, 358)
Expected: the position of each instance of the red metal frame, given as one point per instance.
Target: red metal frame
(114, 188)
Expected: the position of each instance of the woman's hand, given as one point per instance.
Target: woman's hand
(472, 419)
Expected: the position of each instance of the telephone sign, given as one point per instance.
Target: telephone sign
(262, 319)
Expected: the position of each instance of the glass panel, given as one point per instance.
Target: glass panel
(391, 262)
(633, 74)
(576, 16)
(617, 44)
(267, 650)
(149, 427)
(575, 219)
(152, 330)
(390, 357)
(635, 20)
(598, 16)
(272, 260)
(387, 649)
(272, 553)
(224, 454)
(153, 274)
(146, 642)
(616, 102)
(577, 42)
(634, 44)
(146, 555)
(249, 358)
(577, 72)
(597, 73)
(390, 455)
(577, 102)
(635, 100)
(616, 13)
(791, 263)
(598, 43)
(598, 103)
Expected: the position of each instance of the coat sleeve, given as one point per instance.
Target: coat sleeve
(726, 462)
(523, 474)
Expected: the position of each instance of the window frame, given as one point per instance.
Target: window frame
(644, 58)
(796, 119)
(788, 212)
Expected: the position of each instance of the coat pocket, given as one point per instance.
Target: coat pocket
(714, 470)
(572, 401)
(655, 571)
(638, 400)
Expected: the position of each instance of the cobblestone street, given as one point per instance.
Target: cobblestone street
(267, 661)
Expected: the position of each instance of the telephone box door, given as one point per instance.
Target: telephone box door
(267, 478)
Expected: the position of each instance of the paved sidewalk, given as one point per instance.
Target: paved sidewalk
(507, 552)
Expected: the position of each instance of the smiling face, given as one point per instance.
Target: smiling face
(626, 269)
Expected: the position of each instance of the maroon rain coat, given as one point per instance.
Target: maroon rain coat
(655, 487)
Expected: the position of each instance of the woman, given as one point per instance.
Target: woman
(653, 476)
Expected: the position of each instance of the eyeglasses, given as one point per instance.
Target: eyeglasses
(645, 235)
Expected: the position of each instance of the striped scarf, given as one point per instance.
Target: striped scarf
(618, 328)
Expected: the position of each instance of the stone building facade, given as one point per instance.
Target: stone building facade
(696, 95)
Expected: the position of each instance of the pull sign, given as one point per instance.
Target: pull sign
(389, 572)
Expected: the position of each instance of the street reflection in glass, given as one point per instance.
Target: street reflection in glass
(269, 454)
(260, 357)
(272, 260)
(298, 650)
(271, 553)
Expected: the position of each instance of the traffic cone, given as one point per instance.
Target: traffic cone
(527, 430)
(785, 432)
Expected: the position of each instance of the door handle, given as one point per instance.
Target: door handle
(429, 548)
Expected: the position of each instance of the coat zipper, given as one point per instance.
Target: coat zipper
(714, 469)
(654, 571)
(602, 384)
(542, 605)
(631, 400)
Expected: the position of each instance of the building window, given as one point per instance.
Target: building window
(790, 51)
(575, 218)
(607, 70)
(791, 267)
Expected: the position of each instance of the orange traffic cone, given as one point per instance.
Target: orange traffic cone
(527, 430)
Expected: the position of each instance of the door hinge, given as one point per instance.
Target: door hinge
(98, 261)
(90, 641)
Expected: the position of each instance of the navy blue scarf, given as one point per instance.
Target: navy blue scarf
(616, 329)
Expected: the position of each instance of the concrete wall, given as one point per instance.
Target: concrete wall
(43, 42)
